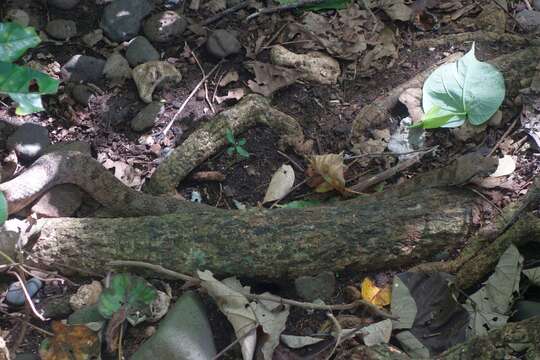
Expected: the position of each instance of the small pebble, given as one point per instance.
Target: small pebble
(61, 29)
(117, 68)
(92, 38)
(18, 16)
(83, 68)
(29, 141)
(164, 26)
(15, 293)
(81, 93)
(140, 50)
(221, 43)
(146, 118)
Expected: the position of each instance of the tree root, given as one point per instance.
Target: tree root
(515, 66)
(205, 141)
(480, 36)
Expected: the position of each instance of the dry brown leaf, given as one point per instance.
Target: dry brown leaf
(326, 173)
(215, 6)
(76, 342)
(269, 78)
(229, 77)
(375, 295)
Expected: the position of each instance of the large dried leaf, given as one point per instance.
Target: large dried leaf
(269, 78)
(327, 173)
(281, 184)
(272, 317)
(229, 297)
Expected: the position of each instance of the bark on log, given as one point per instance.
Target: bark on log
(390, 232)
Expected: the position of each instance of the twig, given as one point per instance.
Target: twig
(274, 9)
(395, 154)
(204, 76)
(193, 92)
(369, 182)
(506, 133)
(230, 10)
(339, 333)
(175, 275)
(27, 295)
(300, 168)
(28, 323)
(236, 341)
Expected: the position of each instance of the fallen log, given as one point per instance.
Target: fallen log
(388, 233)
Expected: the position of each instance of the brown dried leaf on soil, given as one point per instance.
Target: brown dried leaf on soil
(233, 94)
(71, 342)
(269, 78)
(326, 173)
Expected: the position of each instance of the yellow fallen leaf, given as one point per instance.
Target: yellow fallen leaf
(326, 172)
(375, 295)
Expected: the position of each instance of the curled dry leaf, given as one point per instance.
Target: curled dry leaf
(229, 297)
(375, 295)
(230, 77)
(269, 78)
(281, 184)
(326, 173)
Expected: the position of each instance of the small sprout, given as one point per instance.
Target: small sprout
(236, 146)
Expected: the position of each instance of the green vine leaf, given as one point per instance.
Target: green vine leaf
(15, 40)
(466, 89)
(3, 208)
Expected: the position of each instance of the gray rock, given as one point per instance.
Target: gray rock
(222, 43)
(184, 333)
(28, 141)
(495, 121)
(536, 5)
(93, 37)
(83, 68)
(117, 68)
(61, 201)
(78, 146)
(81, 93)
(55, 307)
(468, 132)
(15, 293)
(118, 26)
(18, 16)
(64, 4)
(311, 288)
(140, 50)
(164, 26)
(146, 118)
(61, 29)
(529, 19)
(150, 75)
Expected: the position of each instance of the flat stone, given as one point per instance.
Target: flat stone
(222, 43)
(122, 19)
(149, 75)
(64, 4)
(184, 333)
(164, 26)
(86, 295)
(55, 307)
(81, 93)
(468, 132)
(146, 118)
(83, 68)
(117, 68)
(28, 141)
(140, 50)
(78, 146)
(61, 29)
(311, 288)
(93, 37)
(61, 201)
(18, 16)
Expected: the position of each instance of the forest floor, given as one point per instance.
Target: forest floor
(326, 113)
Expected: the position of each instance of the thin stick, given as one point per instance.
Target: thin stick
(230, 10)
(204, 76)
(27, 296)
(236, 341)
(37, 328)
(274, 9)
(193, 92)
(506, 133)
(175, 275)
(339, 332)
(291, 160)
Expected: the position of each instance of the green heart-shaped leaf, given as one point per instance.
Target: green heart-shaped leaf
(15, 40)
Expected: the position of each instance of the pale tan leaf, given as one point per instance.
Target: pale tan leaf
(281, 184)
(331, 168)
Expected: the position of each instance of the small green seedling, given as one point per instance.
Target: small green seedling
(235, 146)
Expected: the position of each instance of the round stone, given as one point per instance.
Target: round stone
(164, 26)
(140, 50)
(28, 141)
(61, 29)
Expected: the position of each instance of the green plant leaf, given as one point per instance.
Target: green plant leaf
(241, 142)
(16, 81)
(230, 136)
(467, 86)
(300, 204)
(131, 292)
(242, 152)
(230, 150)
(15, 40)
(437, 117)
(3, 208)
